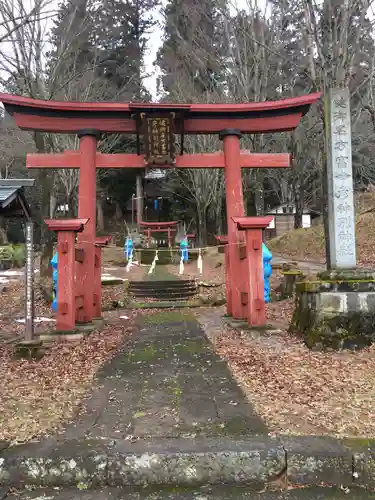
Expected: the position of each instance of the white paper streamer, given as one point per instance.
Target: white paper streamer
(181, 265)
(130, 263)
(200, 262)
(151, 270)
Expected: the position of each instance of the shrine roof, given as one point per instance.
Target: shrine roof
(116, 117)
(12, 198)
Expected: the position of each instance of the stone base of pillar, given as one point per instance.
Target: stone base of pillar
(337, 311)
(29, 349)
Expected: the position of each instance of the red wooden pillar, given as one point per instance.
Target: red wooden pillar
(228, 282)
(87, 209)
(100, 242)
(256, 307)
(66, 288)
(235, 208)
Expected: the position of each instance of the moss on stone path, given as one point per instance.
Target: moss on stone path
(168, 382)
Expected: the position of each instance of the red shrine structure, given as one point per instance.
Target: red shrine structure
(157, 125)
(159, 227)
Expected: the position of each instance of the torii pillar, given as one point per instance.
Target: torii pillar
(88, 139)
(235, 208)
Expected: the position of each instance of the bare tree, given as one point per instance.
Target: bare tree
(30, 65)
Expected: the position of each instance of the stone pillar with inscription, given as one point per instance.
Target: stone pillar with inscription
(342, 254)
(338, 310)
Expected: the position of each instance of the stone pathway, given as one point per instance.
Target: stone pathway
(313, 267)
(166, 383)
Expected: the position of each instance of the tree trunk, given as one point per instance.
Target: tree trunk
(259, 193)
(299, 204)
(202, 226)
(52, 206)
(46, 184)
(219, 220)
(139, 199)
(118, 212)
(46, 237)
(71, 202)
(100, 215)
(3, 232)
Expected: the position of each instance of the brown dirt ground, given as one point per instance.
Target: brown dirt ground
(38, 396)
(297, 391)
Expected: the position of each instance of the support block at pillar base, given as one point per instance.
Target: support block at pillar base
(336, 313)
(29, 349)
(86, 327)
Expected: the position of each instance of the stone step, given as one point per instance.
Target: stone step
(163, 295)
(163, 289)
(183, 462)
(167, 284)
(205, 493)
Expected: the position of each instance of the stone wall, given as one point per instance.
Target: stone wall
(335, 313)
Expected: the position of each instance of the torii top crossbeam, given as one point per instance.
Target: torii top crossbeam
(70, 117)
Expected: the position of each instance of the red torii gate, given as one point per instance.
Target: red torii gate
(158, 123)
(159, 227)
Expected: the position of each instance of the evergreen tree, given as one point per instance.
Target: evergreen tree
(121, 36)
(190, 57)
(73, 53)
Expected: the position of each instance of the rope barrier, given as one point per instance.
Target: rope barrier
(150, 249)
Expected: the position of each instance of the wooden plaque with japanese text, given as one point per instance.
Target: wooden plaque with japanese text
(158, 132)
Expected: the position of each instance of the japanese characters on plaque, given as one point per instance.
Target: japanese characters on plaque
(29, 283)
(340, 178)
(159, 146)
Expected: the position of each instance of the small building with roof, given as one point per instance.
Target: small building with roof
(284, 219)
(13, 202)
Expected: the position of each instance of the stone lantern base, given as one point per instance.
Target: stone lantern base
(337, 311)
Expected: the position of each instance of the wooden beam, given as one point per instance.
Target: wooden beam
(71, 159)
(193, 126)
(112, 117)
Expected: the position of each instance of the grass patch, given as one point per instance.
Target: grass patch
(149, 353)
(160, 273)
(191, 347)
(113, 255)
(167, 317)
